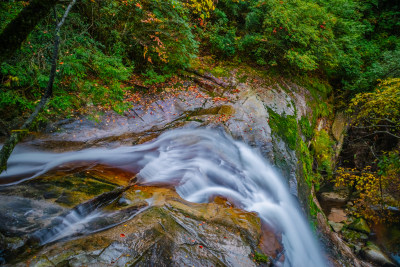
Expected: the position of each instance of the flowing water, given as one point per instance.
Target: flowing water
(200, 164)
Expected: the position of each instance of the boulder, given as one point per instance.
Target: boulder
(333, 197)
(337, 227)
(373, 253)
(360, 225)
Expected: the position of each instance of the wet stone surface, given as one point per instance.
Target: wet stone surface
(172, 232)
(144, 226)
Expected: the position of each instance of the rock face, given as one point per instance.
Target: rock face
(172, 232)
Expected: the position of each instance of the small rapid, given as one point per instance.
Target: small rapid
(200, 164)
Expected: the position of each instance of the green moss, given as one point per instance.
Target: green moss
(323, 151)
(220, 72)
(305, 127)
(306, 161)
(317, 87)
(261, 258)
(353, 236)
(286, 127)
(93, 187)
(314, 210)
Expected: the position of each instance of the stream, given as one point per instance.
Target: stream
(200, 164)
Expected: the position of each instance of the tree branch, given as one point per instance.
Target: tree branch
(376, 132)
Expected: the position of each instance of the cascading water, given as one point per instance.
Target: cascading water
(201, 164)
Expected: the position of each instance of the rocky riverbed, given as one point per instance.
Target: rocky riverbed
(169, 230)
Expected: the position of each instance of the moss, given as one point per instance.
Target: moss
(306, 161)
(305, 127)
(351, 236)
(323, 151)
(220, 72)
(317, 87)
(93, 187)
(261, 258)
(360, 225)
(286, 127)
(314, 210)
(222, 110)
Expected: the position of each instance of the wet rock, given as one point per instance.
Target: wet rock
(372, 253)
(20, 216)
(48, 195)
(360, 225)
(124, 202)
(279, 100)
(173, 232)
(333, 197)
(66, 199)
(162, 235)
(337, 227)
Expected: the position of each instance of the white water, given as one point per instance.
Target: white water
(201, 164)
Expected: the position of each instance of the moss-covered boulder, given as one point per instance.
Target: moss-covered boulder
(360, 225)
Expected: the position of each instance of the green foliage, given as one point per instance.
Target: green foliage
(279, 34)
(314, 210)
(285, 127)
(389, 164)
(8, 11)
(305, 127)
(221, 37)
(380, 109)
(153, 77)
(155, 34)
(261, 258)
(85, 74)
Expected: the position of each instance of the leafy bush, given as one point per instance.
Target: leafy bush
(372, 202)
(220, 36)
(85, 74)
(280, 34)
(155, 34)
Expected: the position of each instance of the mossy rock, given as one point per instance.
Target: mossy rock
(221, 110)
(353, 236)
(360, 225)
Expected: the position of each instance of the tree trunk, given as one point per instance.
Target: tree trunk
(17, 135)
(19, 28)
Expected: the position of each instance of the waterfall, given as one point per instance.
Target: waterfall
(201, 164)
